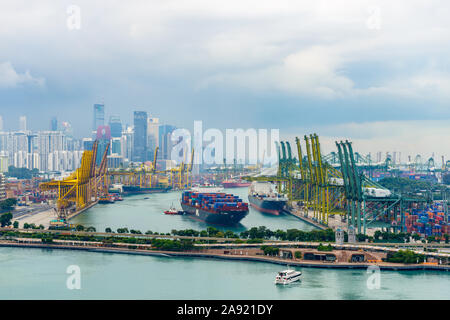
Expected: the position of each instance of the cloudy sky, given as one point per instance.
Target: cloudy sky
(374, 72)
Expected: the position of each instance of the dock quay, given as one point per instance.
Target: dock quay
(304, 218)
(236, 256)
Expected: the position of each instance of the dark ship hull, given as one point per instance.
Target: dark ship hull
(266, 204)
(225, 217)
(129, 190)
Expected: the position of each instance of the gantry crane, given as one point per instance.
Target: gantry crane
(83, 187)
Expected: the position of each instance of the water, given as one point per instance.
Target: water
(138, 213)
(41, 274)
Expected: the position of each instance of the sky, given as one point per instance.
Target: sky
(373, 72)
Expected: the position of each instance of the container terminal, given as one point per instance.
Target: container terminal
(337, 190)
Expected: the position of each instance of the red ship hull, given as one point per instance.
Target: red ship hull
(235, 184)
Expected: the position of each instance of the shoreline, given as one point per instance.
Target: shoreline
(171, 254)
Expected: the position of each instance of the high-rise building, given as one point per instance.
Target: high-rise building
(140, 136)
(1, 124)
(165, 142)
(88, 143)
(152, 136)
(2, 187)
(127, 143)
(116, 126)
(99, 116)
(54, 124)
(3, 162)
(23, 123)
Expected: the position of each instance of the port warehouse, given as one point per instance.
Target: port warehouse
(322, 185)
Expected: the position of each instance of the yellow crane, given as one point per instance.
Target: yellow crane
(83, 187)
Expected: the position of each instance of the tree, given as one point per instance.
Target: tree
(90, 229)
(5, 219)
(108, 230)
(298, 255)
(8, 204)
(16, 224)
(79, 227)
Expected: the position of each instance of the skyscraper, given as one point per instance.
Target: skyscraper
(54, 124)
(99, 116)
(116, 126)
(140, 136)
(23, 123)
(152, 136)
(165, 143)
(1, 124)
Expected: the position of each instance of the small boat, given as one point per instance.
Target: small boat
(173, 211)
(117, 197)
(106, 199)
(287, 276)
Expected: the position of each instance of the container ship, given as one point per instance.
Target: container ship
(263, 197)
(214, 208)
(129, 190)
(235, 183)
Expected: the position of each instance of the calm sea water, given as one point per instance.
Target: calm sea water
(41, 274)
(145, 212)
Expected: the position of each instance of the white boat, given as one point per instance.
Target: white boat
(287, 276)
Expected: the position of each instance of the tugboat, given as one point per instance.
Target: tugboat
(173, 211)
(117, 197)
(287, 276)
(106, 199)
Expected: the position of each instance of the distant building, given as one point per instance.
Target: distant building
(99, 116)
(152, 136)
(104, 139)
(114, 161)
(2, 187)
(127, 143)
(116, 126)
(1, 124)
(88, 143)
(54, 124)
(3, 162)
(23, 123)
(165, 143)
(140, 136)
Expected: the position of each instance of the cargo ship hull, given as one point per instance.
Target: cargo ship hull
(222, 218)
(130, 190)
(267, 205)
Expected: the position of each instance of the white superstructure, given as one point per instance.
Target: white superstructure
(287, 276)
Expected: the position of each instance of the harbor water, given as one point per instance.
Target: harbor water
(145, 212)
(41, 274)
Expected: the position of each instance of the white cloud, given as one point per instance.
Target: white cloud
(10, 78)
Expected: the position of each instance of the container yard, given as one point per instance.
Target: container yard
(428, 222)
